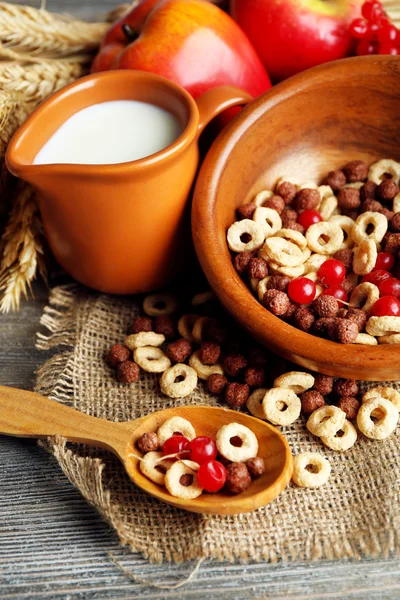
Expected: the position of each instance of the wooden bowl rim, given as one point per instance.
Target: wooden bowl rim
(214, 256)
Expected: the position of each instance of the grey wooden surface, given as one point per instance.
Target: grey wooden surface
(54, 546)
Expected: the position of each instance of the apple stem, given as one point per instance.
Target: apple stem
(130, 34)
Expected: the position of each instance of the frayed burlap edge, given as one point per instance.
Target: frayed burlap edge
(54, 379)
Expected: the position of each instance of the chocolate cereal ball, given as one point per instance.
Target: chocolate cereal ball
(142, 324)
(209, 353)
(336, 180)
(148, 442)
(323, 384)
(303, 318)
(349, 199)
(279, 282)
(347, 331)
(276, 203)
(258, 268)
(233, 364)
(246, 211)
(237, 478)
(166, 325)
(387, 190)
(179, 350)
(287, 191)
(367, 191)
(345, 387)
(395, 223)
(117, 355)
(345, 255)
(241, 261)
(310, 401)
(307, 199)
(356, 170)
(128, 372)
(254, 377)
(277, 302)
(237, 394)
(371, 205)
(350, 406)
(358, 316)
(216, 384)
(326, 306)
(256, 467)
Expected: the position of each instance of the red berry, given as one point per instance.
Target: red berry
(203, 449)
(332, 271)
(177, 444)
(336, 291)
(387, 32)
(371, 10)
(384, 262)
(387, 306)
(211, 476)
(376, 277)
(302, 290)
(366, 47)
(388, 48)
(309, 217)
(390, 287)
(358, 28)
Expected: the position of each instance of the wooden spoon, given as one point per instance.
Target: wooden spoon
(26, 414)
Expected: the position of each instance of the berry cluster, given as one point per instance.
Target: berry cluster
(374, 32)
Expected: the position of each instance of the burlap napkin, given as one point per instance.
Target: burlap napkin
(356, 514)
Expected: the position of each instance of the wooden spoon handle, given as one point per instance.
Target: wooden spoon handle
(26, 414)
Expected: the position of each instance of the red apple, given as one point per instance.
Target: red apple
(191, 42)
(294, 35)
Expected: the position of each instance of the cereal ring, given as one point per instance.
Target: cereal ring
(312, 276)
(369, 218)
(366, 339)
(153, 466)
(283, 252)
(248, 449)
(305, 478)
(268, 219)
(378, 170)
(254, 403)
(383, 391)
(262, 196)
(173, 426)
(343, 443)
(151, 360)
(328, 207)
(185, 326)
(396, 203)
(262, 286)
(293, 236)
(314, 262)
(178, 389)
(364, 257)
(203, 298)
(393, 338)
(281, 406)
(325, 191)
(346, 225)
(203, 371)
(254, 284)
(173, 480)
(297, 381)
(198, 328)
(364, 296)
(238, 229)
(306, 254)
(324, 228)
(156, 305)
(389, 415)
(326, 421)
(144, 338)
(288, 271)
(308, 185)
(288, 180)
(383, 325)
(357, 185)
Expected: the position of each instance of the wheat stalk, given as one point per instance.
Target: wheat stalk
(40, 33)
(22, 250)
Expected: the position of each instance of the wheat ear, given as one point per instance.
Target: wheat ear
(22, 250)
(38, 32)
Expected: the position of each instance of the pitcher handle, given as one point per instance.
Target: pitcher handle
(215, 101)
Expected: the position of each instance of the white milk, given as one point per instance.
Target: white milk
(111, 132)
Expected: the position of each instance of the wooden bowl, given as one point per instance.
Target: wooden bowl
(306, 126)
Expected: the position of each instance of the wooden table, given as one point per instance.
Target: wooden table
(53, 545)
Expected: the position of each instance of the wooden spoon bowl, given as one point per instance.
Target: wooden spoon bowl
(26, 414)
(302, 128)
